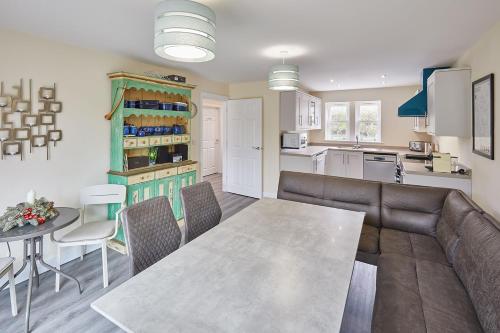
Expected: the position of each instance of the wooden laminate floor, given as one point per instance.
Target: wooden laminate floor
(67, 311)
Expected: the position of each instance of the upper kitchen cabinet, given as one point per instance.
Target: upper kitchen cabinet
(449, 102)
(299, 111)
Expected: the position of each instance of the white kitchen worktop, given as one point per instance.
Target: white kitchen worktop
(314, 150)
(418, 168)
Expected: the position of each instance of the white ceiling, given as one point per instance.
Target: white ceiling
(353, 42)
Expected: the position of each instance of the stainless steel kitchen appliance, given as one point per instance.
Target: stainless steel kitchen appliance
(380, 167)
(294, 140)
(420, 146)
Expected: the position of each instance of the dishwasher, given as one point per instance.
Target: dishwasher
(379, 167)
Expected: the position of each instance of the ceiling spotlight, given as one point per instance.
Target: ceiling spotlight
(331, 81)
(383, 76)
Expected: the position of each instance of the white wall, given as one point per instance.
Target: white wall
(271, 136)
(396, 131)
(483, 58)
(82, 158)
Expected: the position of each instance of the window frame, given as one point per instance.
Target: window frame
(328, 105)
(358, 104)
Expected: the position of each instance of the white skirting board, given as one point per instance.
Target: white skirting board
(273, 195)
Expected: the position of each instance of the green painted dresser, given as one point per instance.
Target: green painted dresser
(155, 179)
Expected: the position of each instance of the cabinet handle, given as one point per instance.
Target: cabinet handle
(343, 158)
(347, 159)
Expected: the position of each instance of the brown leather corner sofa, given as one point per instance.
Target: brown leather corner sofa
(437, 252)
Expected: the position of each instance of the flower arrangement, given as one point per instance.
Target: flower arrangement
(35, 213)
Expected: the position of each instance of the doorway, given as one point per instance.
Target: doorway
(211, 140)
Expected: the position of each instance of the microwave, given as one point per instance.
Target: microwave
(294, 140)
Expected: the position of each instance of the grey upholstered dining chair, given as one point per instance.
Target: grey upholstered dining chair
(201, 209)
(151, 232)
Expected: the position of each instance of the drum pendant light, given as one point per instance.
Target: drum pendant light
(184, 31)
(284, 77)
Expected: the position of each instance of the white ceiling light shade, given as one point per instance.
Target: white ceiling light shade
(184, 31)
(284, 77)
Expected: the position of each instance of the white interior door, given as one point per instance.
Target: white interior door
(243, 141)
(210, 141)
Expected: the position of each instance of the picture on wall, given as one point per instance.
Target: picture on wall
(483, 116)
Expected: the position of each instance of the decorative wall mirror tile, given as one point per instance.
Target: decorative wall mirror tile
(38, 140)
(55, 107)
(5, 101)
(11, 148)
(46, 94)
(22, 106)
(22, 134)
(7, 118)
(5, 134)
(29, 120)
(47, 119)
(54, 135)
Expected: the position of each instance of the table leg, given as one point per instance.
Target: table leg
(36, 275)
(30, 286)
(53, 269)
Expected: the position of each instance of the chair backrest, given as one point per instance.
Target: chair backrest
(151, 232)
(201, 209)
(103, 194)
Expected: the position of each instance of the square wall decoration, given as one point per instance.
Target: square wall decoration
(483, 121)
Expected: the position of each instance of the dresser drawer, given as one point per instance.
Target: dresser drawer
(129, 143)
(166, 140)
(177, 138)
(143, 177)
(142, 142)
(165, 173)
(154, 141)
(186, 138)
(186, 168)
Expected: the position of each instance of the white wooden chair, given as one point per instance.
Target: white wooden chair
(95, 232)
(7, 267)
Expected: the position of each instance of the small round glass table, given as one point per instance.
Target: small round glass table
(32, 236)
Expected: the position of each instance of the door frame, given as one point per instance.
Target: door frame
(223, 99)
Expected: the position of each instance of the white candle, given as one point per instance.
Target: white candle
(30, 197)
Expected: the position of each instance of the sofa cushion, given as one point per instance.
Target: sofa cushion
(412, 208)
(456, 207)
(477, 263)
(301, 187)
(411, 245)
(354, 194)
(420, 296)
(368, 241)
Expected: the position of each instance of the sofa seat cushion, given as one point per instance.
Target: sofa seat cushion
(416, 295)
(411, 245)
(477, 263)
(368, 241)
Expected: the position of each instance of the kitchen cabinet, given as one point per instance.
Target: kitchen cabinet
(344, 164)
(436, 180)
(185, 179)
(449, 102)
(299, 111)
(167, 187)
(139, 192)
(304, 163)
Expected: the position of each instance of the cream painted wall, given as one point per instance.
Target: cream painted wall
(270, 131)
(82, 158)
(483, 58)
(396, 131)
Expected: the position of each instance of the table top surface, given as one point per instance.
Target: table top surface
(276, 266)
(66, 217)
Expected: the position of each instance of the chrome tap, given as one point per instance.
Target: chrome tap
(357, 145)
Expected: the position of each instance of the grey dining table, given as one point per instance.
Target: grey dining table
(276, 266)
(32, 236)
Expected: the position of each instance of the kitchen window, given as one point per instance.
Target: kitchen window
(368, 121)
(346, 120)
(337, 121)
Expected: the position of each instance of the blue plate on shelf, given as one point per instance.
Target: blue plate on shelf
(166, 106)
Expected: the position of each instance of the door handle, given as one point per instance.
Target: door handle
(257, 148)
